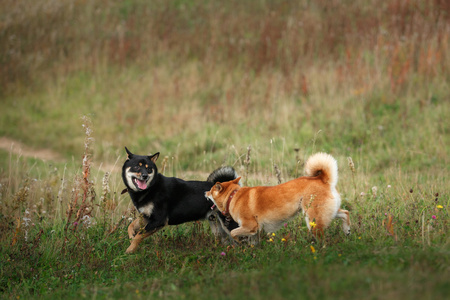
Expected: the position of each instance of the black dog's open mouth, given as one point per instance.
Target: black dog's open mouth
(140, 184)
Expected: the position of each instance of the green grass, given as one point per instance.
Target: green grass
(200, 83)
(276, 271)
(188, 263)
(409, 259)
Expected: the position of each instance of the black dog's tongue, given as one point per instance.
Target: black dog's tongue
(141, 184)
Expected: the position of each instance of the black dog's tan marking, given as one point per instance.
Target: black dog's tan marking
(168, 200)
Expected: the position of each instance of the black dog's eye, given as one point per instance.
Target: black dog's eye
(135, 168)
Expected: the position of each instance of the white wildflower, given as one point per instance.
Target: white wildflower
(374, 191)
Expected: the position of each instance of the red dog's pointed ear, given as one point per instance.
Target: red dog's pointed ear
(237, 180)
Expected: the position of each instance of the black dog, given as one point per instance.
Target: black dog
(168, 200)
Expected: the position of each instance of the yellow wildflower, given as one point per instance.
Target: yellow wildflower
(358, 92)
(270, 240)
(439, 206)
(273, 234)
(312, 224)
(283, 240)
(312, 249)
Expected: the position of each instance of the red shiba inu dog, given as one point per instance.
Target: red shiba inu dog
(269, 207)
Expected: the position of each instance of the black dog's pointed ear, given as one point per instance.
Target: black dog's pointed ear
(129, 154)
(154, 157)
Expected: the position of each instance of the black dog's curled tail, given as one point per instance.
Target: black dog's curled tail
(222, 174)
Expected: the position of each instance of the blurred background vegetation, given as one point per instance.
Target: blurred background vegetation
(190, 79)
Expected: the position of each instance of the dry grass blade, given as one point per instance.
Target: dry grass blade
(388, 223)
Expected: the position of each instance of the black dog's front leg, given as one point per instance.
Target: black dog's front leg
(137, 226)
(152, 225)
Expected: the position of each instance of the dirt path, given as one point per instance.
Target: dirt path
(18, 148)
(21, 149)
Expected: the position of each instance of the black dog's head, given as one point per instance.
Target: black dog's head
(138, 171)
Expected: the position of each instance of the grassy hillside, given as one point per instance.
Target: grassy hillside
(200, 83)
(157, 75)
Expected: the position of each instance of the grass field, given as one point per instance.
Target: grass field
(201, 83)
